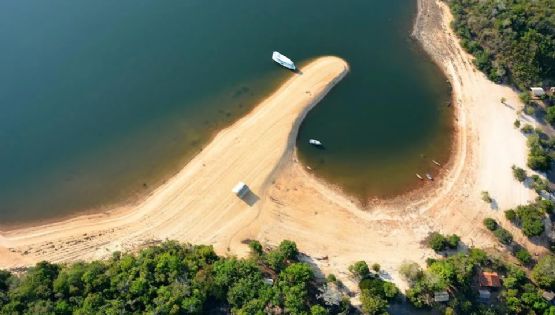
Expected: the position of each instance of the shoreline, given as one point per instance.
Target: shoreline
(330, 69)
(136, 197)
(292, 204)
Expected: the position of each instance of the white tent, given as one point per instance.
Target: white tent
(240, 189)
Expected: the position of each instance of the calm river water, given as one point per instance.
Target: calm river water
(101, 100)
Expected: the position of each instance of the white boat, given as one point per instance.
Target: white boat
(419, 176)
(284, 61)
(315, 142)
(429, 177)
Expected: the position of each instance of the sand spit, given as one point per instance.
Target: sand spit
(288, 203)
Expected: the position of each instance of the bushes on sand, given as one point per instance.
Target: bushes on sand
(439, 242)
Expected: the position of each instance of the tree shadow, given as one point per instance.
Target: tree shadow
(400, 306)
(509, 106)
(384, 275)
(311, 261)
(493, 204)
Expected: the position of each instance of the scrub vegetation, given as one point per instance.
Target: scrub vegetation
(530, 217)
(457, 275)
(439, 242)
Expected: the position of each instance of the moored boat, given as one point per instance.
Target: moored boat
(419, 176)
(428, 176)
(315, 142)
(436, 162)
(284, 61)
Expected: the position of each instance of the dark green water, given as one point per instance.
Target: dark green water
(101, 100)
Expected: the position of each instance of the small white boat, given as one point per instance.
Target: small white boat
(436, 162)
(419, 176)
(315, 142)
(284, 61)
(428, 176)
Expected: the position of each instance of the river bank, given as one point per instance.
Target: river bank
(196, 205)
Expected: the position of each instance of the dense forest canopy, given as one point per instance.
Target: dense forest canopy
(171, 278)
(513, 40)
(174, 278)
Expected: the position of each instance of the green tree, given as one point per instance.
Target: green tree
(550, 116)
(527, 129)
(525, 97)
(486, 197)
(359, 269)
(519, 173)
(545, 206)
(510, 215)
(256, 248)
(318, 310)
(331, 278)
(410, 271)
(169, 278)
(523, 255)
(544, 272)
(453, 241)
(289, 249)
(276, 260)
(503, 236)
(532, 225)
(490, 224)
(372, 304)
(437, 241)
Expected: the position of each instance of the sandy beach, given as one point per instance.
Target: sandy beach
(287, 202)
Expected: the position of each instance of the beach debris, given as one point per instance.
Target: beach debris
(436, 162)
(419, 176)
(428, 176)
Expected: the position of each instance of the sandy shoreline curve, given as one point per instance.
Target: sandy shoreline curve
(200, 195)
(197, 206)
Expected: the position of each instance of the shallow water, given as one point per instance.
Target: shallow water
(100, 101)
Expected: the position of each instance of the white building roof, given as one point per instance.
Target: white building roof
(237, 188)
(537, 91)
(441, 296)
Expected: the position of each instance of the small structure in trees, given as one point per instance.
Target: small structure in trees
(441, 296)
(549, 296)
(537, 91)
(484, 294)
(489, 280)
